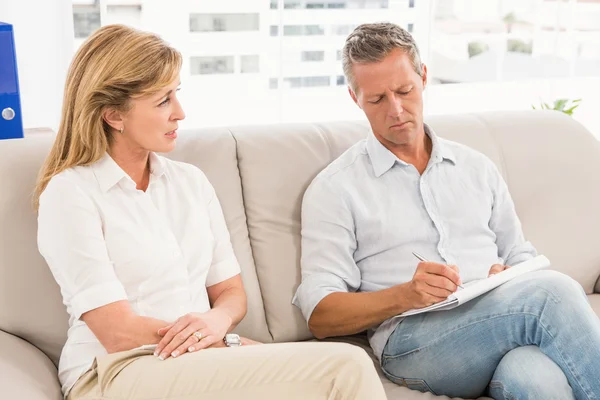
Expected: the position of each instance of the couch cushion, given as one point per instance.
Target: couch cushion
(276, 165)
(26, 372)
(214, 152)
(30, 301)
(552, 167)
(539, 154)
(595, 303)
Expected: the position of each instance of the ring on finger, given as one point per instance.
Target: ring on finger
(197, 335)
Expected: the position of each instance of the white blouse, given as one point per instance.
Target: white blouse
(106, 241)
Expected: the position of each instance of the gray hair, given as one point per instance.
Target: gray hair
(370, 43)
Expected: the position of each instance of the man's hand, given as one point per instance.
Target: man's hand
(432, 283)
(497, 268)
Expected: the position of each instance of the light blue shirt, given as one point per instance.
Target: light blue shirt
(365, 213)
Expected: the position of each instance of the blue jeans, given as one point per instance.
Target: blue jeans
(535, 337)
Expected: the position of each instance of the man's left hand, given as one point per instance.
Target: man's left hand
(497, 268)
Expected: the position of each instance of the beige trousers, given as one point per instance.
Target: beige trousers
(284, 371)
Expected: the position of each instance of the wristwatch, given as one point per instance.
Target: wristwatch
(232, 340)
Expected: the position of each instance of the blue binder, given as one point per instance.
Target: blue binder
(11, 120)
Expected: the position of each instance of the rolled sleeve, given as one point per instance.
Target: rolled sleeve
(314, 288)
(97, 296)
(224, 262)
(512, 246)
(71, 240)
(328, 246)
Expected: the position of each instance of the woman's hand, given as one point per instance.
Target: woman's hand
(192, 332)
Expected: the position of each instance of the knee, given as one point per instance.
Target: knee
(526, 372)
(558, 285)
(358, 357)
(352, 358)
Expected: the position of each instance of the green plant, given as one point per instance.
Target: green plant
(475, 48)
(509, 20)
(519, 46)
(566, 106)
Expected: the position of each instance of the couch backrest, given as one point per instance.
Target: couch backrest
(551, 164)
(214, 152)
(30, 300)
(276, 165)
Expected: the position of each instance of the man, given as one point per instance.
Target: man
(404, 189)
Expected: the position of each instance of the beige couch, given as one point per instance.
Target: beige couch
(551, 164)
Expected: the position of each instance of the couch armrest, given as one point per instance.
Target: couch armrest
(26, 372)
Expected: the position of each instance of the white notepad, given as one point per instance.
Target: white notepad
(476, 288)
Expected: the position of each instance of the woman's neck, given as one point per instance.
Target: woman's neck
(136, 164)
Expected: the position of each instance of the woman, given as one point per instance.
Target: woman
(139, 247)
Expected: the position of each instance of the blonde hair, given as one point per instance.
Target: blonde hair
(113, 66)
(370, 43)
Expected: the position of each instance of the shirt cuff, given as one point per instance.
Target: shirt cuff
(314, 289)
(97, 296)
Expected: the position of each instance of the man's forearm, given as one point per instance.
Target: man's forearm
(341, 314)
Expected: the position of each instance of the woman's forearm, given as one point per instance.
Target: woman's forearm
(118, 328)
(232, 302)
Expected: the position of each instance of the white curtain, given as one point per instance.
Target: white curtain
(44, 38)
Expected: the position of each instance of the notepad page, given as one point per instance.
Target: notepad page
(476, 288)
(487, 284)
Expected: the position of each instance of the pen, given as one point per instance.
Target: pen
(420, 257)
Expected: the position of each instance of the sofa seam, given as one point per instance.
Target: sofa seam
(503, 164)
(237, 163)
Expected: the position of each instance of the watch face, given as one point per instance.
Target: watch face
(232, 339)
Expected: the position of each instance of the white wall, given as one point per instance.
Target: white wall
(43, 32)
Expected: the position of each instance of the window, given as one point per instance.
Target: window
(411, 3)
(313, 56)
(317, 5)
(338, 55)
(212, 65)
(293, 30)
(341, 80)
(354, 4)
(515, 41)
(223, 22)
(410, 28)
(273, 83)
(343, 30)
(274, 29)
(303, 30)
(306, 81)
(250, 64)
(314, 30)
(292, 4)
(86, 19)
(124, 14)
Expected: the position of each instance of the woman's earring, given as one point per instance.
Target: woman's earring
(121, 130)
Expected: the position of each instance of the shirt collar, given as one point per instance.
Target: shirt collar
(383, 159)
(108, 173)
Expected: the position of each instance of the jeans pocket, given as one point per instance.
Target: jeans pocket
(411, 383)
